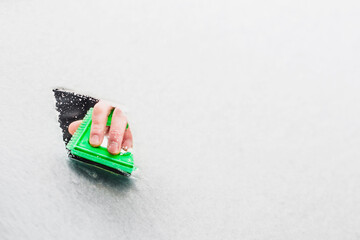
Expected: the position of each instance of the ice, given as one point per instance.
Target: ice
(245, 116)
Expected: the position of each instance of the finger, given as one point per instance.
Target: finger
(74, 126)
(99, 119)
(116, 132)
(127, 140)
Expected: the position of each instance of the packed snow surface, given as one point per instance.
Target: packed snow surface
(245, 116)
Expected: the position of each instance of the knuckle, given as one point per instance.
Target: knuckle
(96, 129)
(117, 112)
(96, 122)
(115, 135)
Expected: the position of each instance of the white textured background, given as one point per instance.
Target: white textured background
(245, 116)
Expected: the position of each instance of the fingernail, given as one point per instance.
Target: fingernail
(95, 140)
(114, 148)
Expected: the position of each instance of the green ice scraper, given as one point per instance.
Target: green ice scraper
(99, 156)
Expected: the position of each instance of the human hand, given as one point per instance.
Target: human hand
(118, 136)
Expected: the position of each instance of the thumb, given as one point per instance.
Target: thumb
(73, 126)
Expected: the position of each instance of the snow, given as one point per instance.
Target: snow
(245, 119)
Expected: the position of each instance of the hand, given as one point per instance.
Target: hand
(118, 136)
